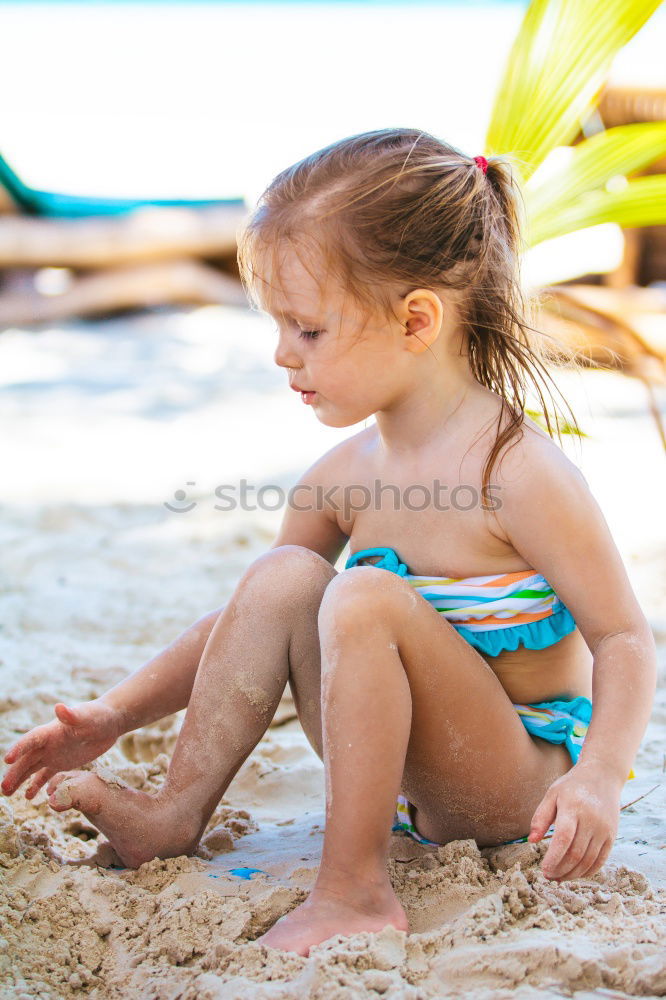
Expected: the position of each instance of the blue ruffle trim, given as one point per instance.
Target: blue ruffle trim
(560, 730)
(535, 635)
(580, 708)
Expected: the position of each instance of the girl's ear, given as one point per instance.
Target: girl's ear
(421, 315)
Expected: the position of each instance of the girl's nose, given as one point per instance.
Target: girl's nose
(285, 357)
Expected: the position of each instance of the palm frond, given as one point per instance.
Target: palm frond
(590, 166)
(551, 83)
(555, 71)
(565, 426)
(638, 202)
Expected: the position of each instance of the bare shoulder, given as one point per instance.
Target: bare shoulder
(533, 478)
(539, 489)
(532, 454)
(336, 466)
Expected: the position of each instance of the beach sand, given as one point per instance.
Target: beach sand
(98, 575)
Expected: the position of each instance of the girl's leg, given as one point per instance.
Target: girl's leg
(406, 703)
(266, 634)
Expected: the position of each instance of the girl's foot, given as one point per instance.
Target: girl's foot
(76, 736)
(343, 910)
(139, 826)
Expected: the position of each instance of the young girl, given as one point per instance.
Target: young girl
(448, 686)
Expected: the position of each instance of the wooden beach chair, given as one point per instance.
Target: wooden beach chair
(119, 253)
(644, 259)
(623, 329)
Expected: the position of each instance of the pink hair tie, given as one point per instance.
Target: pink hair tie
(482, 162)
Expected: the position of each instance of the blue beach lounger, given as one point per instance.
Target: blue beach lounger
(50, 204)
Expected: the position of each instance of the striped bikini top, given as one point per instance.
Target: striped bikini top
(494, 612)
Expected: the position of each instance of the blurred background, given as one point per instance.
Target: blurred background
(135, 379)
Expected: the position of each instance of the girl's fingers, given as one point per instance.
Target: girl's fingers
(19, 771)
(557, 858)
(31, 741)
(601, 858)
(543, 816)
(583, 866)
(38, 780)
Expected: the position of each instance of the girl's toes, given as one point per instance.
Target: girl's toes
(55, 781)
(60, 794)
(66, 790)
(81, 790)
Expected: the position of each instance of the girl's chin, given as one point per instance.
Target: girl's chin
(338, 419)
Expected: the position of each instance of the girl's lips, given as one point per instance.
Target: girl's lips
(307, 395)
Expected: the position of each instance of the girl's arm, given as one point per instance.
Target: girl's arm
(624, 682)
(550, 517)
(164, 684)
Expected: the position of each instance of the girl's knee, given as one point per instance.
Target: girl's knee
(289, 566)
(357, 596)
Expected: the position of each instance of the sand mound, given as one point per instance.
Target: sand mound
(484, 921)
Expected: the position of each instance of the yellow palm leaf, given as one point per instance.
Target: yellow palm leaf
(591, 165)
(555, 71)
(639, 202)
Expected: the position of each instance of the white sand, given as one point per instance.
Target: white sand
(105, 422)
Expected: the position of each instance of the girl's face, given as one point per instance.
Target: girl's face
(353, 370)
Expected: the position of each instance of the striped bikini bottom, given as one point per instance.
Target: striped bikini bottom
(555, 721)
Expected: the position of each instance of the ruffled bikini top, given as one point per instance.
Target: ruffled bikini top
(492, 613)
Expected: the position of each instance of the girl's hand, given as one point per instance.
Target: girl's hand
(76, 736)
(585, 802)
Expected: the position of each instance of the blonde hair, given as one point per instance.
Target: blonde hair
(398, 208)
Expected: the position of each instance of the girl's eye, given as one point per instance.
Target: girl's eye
(310, 334)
